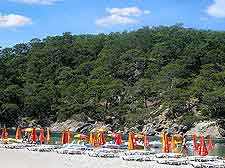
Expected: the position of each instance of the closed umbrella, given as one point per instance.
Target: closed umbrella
(101, 138)
(195, 145)
(131, 141)
(202, 149)
(146, 140)
(91, 138)
(118, 139)
(4, 134)
(63, 137)
(210, 144)
(48, 137)
(166, 143)
(68, 136)
(33, 137)
(18, 134)
(42, 136)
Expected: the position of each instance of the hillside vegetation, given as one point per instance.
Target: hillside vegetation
(129, 76)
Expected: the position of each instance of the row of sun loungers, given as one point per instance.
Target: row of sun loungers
(136, 155)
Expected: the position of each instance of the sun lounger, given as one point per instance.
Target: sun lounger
(204, 158)
(172, 161)
(105, 153)
(215, 164)
(139, 152)
(169, 155)
(139, 158)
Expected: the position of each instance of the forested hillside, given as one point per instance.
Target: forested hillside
(129, 76)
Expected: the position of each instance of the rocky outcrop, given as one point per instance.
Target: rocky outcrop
(212, 128)
(77, 126)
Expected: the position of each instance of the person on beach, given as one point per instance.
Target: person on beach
(184, 149)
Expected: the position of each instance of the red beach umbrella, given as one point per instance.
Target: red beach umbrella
(33, 137)
(146, 140)
(68, 136)
(4, 134)
(101, 139)
(166, 141)
(202, 149)
(42, 135)
(195, 145)
(118, 139)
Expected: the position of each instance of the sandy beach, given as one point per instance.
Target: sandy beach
(25, 159)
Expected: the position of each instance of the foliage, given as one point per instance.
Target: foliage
(123, 75)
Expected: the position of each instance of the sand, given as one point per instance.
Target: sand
(26, 159)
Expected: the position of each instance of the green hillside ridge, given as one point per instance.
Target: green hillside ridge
(130, 76)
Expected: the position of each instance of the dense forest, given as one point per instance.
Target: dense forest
(129, 76)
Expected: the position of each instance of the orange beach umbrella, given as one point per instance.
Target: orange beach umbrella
(18, 134)
(131, 141)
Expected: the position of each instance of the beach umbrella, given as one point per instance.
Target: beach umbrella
(33, 137)
(18, 134)
(113, 135)
(4, 134)
(166, 143)
(91, 138)
(101, 130)
(77, 136)
(202, 149)
(81, 136)
(28, 129)
(131, 141)
(146, 140)
(173, 144)
(48, 137)
(139, 136)
(163, 141)
(63, 137)
(42, 135)
(210, 144)
(195, 145)
(94, 139)
(118, 139)
(101, 138)
(69, 136)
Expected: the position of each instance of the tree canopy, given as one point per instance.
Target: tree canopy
(120, 74)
